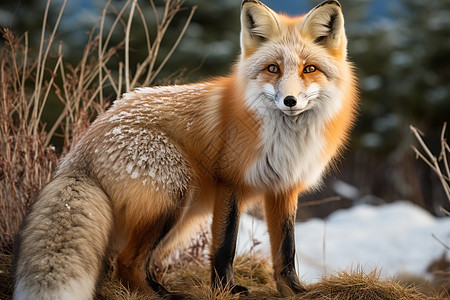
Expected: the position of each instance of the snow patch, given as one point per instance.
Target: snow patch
(394, 237)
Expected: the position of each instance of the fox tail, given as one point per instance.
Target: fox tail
(63, 241)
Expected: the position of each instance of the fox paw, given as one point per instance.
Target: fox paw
(239, 289)
(286, 290)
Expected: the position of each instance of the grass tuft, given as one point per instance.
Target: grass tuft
(356, 284)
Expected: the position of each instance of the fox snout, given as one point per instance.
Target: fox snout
(295, 103)
(290, 101)
(292, 105)
(297, 100)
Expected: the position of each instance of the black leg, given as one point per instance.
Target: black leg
(225, 230)
(288, 274)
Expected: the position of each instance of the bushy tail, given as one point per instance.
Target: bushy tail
(63, 241)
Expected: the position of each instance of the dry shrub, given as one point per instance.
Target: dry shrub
(30, 83)
(438, 163)
(26, 163)
(196, 252)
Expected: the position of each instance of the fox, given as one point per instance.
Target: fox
(163, 160)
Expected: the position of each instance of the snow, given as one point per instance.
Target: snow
(345, 190)
(396, 238)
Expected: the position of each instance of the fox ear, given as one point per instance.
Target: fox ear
(258, 24)
(324, 25)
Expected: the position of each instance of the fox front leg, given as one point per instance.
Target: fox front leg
(224, 236)
(280, 217)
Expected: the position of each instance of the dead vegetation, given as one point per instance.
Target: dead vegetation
(192, 280)
(438, 163)
(33, 83)
(440, 268)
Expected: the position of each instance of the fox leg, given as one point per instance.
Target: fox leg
(224, 237)
(177, 236)
(280, 216)
(135, 260)
(151, 276)
(131, 261)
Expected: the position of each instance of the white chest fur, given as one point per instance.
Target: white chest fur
(292, 147)
(291, 152)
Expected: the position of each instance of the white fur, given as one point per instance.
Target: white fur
(81, 289)
(292, 146)
(269, 90)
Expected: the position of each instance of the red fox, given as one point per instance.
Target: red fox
(162, 159)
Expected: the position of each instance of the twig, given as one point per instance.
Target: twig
(127, 46)
(444, 211)
(421, 156)
(175, 45)
(100, 50)
(39, 61)
(440, 241)
(319, 202)
(40, 75)
(113, 26)
(444, 149)
(143, 65)
(146, 31)
(55, 69)
(25, 62)
(432, 160)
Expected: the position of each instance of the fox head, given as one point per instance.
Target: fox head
(293, 64)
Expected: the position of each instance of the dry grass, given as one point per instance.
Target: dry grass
(358, 285)
(29, 82)
(192, 280)
(256, 274)
(26, 163)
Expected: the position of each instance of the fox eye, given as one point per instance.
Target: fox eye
(273, 69)
(309, 69)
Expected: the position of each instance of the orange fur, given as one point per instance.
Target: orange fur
(337, 129)
(277, 208)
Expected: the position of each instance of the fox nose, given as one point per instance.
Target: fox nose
(290, 101)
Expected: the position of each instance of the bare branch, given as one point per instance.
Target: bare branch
(319, 202)
(444, 150)
(175, 45)
(432, 161)
(127, 46)
(440, 241)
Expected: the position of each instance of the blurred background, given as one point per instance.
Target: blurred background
(401, 50)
